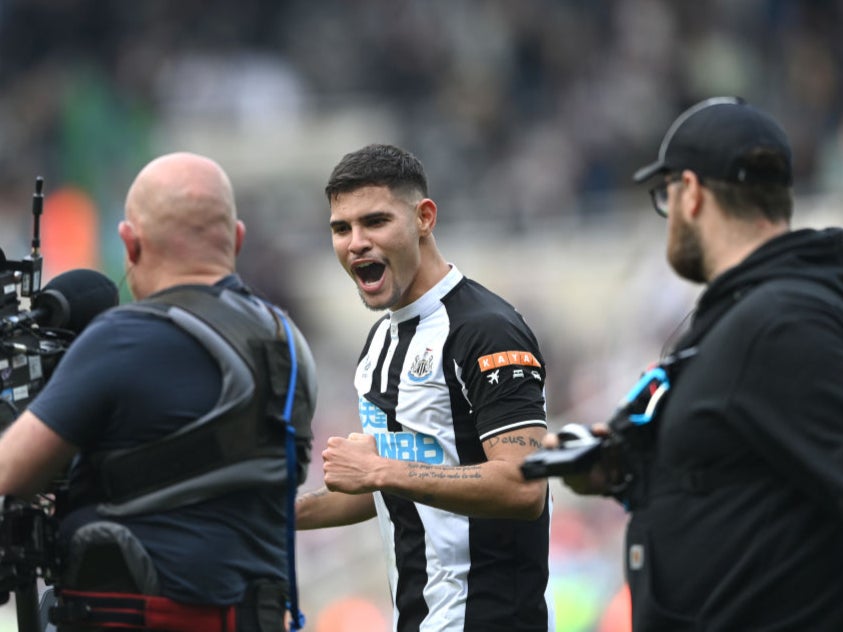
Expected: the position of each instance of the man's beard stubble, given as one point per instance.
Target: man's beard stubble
(393, 299)
(685, 251)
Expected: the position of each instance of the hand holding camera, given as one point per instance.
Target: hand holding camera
(581, 456)
(592, 460)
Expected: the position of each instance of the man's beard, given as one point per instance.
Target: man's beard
(685, 252)
(393, 299)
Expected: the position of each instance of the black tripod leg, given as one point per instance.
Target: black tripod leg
(26, 603)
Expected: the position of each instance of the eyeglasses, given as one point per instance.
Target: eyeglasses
(659, 193)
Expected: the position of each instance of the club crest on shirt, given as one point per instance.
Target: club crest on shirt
(422, 367)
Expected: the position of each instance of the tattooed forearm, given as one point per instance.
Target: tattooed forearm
(323, 491)
(422, 470)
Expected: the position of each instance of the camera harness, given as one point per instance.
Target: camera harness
(237, 444)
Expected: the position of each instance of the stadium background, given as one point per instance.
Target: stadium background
(530, 117)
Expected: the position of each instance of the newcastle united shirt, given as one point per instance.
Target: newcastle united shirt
(435, 379)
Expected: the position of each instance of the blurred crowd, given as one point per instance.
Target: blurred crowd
(522, 111)
(530, 117)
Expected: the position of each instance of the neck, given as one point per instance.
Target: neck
(433, 270)
(737, 240)
(163, 282)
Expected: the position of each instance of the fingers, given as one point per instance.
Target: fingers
(348, 463)
(354, 436)
(550, 441)
(356, 442)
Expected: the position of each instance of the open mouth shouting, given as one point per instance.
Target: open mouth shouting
(369, 275)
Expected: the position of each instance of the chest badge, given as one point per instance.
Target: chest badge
(422, 367)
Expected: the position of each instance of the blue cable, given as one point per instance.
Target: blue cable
(298, 618)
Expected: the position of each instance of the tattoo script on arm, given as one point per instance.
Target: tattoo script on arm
(431, 472)
(520, 440)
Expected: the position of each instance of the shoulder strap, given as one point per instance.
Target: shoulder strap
(297, 616)
(230, 447)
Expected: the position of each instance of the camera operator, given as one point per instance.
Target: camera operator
(180, 410)
(732, 469)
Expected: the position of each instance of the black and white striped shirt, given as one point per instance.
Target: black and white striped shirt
(435, 379)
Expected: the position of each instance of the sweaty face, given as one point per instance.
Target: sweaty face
(376, 240)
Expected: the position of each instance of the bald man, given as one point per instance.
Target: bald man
(172, 412)
(180, 214)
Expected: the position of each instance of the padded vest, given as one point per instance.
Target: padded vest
(240, 442)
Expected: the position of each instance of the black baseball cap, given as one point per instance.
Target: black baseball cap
(713, 139)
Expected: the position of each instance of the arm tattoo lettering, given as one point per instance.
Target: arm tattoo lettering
(515, 440)
(422, 470)
(431, 472)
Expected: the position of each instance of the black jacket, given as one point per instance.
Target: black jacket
(737, 521)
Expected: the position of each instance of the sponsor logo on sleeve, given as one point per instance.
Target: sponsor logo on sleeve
(506, 358)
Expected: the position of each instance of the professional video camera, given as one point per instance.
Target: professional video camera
(629, 427)
(31, 345)
(31, 342)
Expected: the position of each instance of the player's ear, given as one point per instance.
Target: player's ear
(426, 216)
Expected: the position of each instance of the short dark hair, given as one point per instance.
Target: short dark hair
(377, 165)
(745, 201)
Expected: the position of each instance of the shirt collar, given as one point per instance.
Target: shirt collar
(428, 302)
